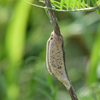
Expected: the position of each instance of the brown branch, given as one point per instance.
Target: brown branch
(57, 32)
(72, 94)
(53, 18)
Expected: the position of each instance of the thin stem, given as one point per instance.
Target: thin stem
(53, 18)
(57, 32)
(72, 94)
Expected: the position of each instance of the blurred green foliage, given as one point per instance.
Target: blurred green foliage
(73, 5)
(24, 30)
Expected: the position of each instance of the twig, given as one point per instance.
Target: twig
(72, 94)
(57, 32)
(53, 18)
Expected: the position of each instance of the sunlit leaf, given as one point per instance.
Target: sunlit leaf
(41, 1)
(88, 3)
(97, 3)
(56, 4)
(79, 4)
(14, 42)
(62, 3)
(83, 3)
(68, 4)
(74, 3)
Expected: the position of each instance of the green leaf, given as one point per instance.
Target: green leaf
(98, 11)
(83, 3)
(55, 93)
(88, 3)
(67, 3)
(16, 32)
(79, 4)
(74, 3)
(42, 1)
(55, 4)
(39, 80)
(92, 74)
(97, 3)
(49, 80)
(14, 42)
(44, 92)
(62, 3)
(93, 2)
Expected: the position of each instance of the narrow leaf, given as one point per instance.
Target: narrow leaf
(74, 3)
(41, 1)
(62, 3)
(92, 74)
(55, 93)
(88, 3)
(41, 81)
(97, 2)
(98, 11)
(79, 4)
(93, 2)
(49, 80)
(83, 3)
(55, 4)
(46, 93)
(68, 4)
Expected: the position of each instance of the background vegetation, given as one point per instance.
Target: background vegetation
(24, 30)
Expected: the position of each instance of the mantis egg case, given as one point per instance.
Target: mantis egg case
(55, 58)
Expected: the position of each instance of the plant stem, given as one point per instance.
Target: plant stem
(72, 94)
(57, 32)
(53, 18)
